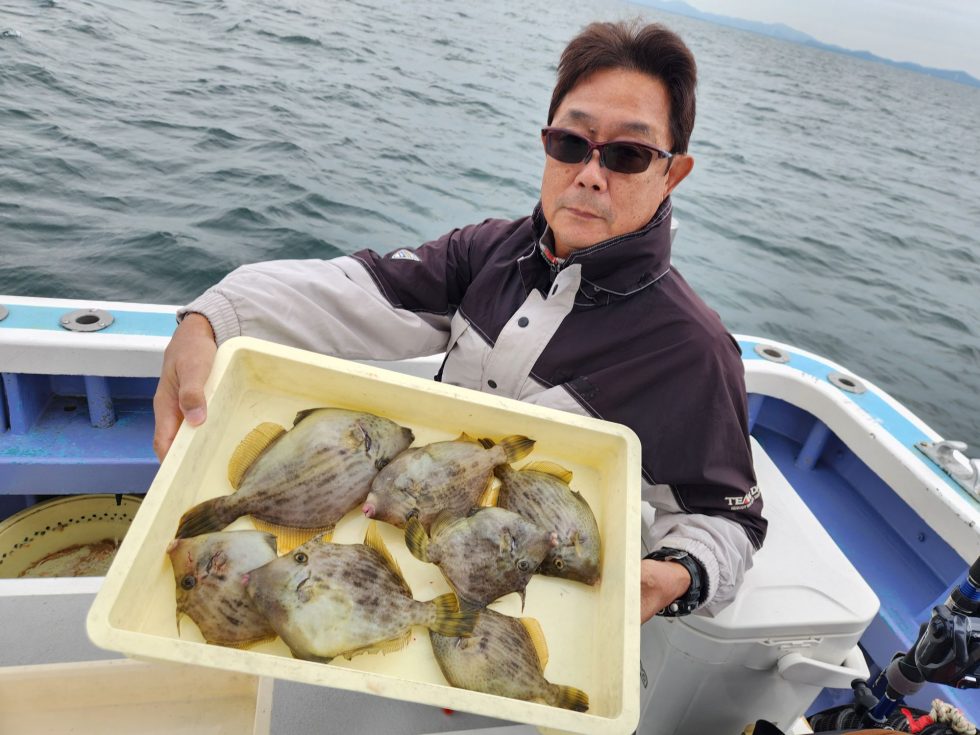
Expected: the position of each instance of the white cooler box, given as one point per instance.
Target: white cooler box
(792, 630)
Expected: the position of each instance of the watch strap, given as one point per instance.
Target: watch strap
(696, 593)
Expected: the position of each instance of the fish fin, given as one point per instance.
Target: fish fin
(550, 468)
(533, 628)
(486, 443)
(488, 498)
(466, 605)
(451, 618)
(289, 537)
(416, 539)
(250, 449)
(390, 646)
(464, 437)
(443, 518)
(242, 645)
(570, 698)
(206, 517)
(523, 593)
(372, 538)
(516, 447)
(300, 415)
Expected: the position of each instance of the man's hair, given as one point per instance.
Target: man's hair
(650, 49)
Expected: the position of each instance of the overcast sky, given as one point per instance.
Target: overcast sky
(938, 33)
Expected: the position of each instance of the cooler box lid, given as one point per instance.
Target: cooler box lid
(800, 585)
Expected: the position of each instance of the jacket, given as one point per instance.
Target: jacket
(613, 331)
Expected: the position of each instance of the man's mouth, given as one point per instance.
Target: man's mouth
(582, 213)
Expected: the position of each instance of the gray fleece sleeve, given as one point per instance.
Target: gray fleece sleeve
(329, 306)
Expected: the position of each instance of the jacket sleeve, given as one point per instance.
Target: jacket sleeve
(720, 544)
(361, 306)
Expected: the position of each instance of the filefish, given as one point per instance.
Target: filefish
(444, 476)
(306, 478)
(209, 571)
(504, 656)
(327, 600)
(485, 555)
(540, 492)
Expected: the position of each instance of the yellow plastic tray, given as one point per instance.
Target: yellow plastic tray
(121, 696)
(593, 633)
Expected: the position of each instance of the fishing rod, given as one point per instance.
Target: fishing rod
(946, 651)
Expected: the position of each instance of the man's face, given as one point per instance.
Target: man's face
(585, 203)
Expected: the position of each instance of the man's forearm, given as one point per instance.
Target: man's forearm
(661, 582)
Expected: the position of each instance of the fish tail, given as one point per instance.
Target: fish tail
(570, 698)
(205, 517)
(516, 447)
(416, 539)
(449, 621)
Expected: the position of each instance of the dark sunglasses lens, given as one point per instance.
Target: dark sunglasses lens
(566, 147)
(626, 158)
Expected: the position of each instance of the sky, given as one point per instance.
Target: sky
(944, 34)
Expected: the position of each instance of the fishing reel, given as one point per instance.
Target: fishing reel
(947, 651)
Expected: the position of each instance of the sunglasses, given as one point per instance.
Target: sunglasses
(616, 155)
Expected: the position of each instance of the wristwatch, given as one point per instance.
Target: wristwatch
(698, 590)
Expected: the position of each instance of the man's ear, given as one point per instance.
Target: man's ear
(680, 167)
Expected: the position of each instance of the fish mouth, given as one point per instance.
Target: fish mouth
(303, 582)
(370, 506)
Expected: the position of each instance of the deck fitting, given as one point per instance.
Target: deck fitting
(87, 320)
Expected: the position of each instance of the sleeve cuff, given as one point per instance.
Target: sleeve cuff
(217, 309)
(703, 554)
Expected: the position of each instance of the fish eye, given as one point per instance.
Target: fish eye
(524, 565)
(559, 563)
(300, 558)
(381, 463)
(188, 582)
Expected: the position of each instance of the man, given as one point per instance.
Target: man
(575, 307)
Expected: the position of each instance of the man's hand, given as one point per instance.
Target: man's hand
(661, 582)
(187, 363)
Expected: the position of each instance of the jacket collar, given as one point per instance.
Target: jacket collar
(620, 265)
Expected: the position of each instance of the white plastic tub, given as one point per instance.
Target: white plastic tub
(137, 698)
(592, 632)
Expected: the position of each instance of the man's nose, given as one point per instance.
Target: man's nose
(593, 174)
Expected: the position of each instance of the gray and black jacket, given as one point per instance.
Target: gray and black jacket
(613, 331)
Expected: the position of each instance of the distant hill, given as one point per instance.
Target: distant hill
(784, 32)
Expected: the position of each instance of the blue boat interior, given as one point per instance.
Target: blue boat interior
(63, 435)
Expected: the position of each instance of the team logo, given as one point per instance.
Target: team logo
(405, 255)
(740, 502)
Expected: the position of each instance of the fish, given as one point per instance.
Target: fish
(327, 600)
(541, 493)
(209, 572)
(485, 555)
(443, 476)
(306, 478)
(504, 656)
